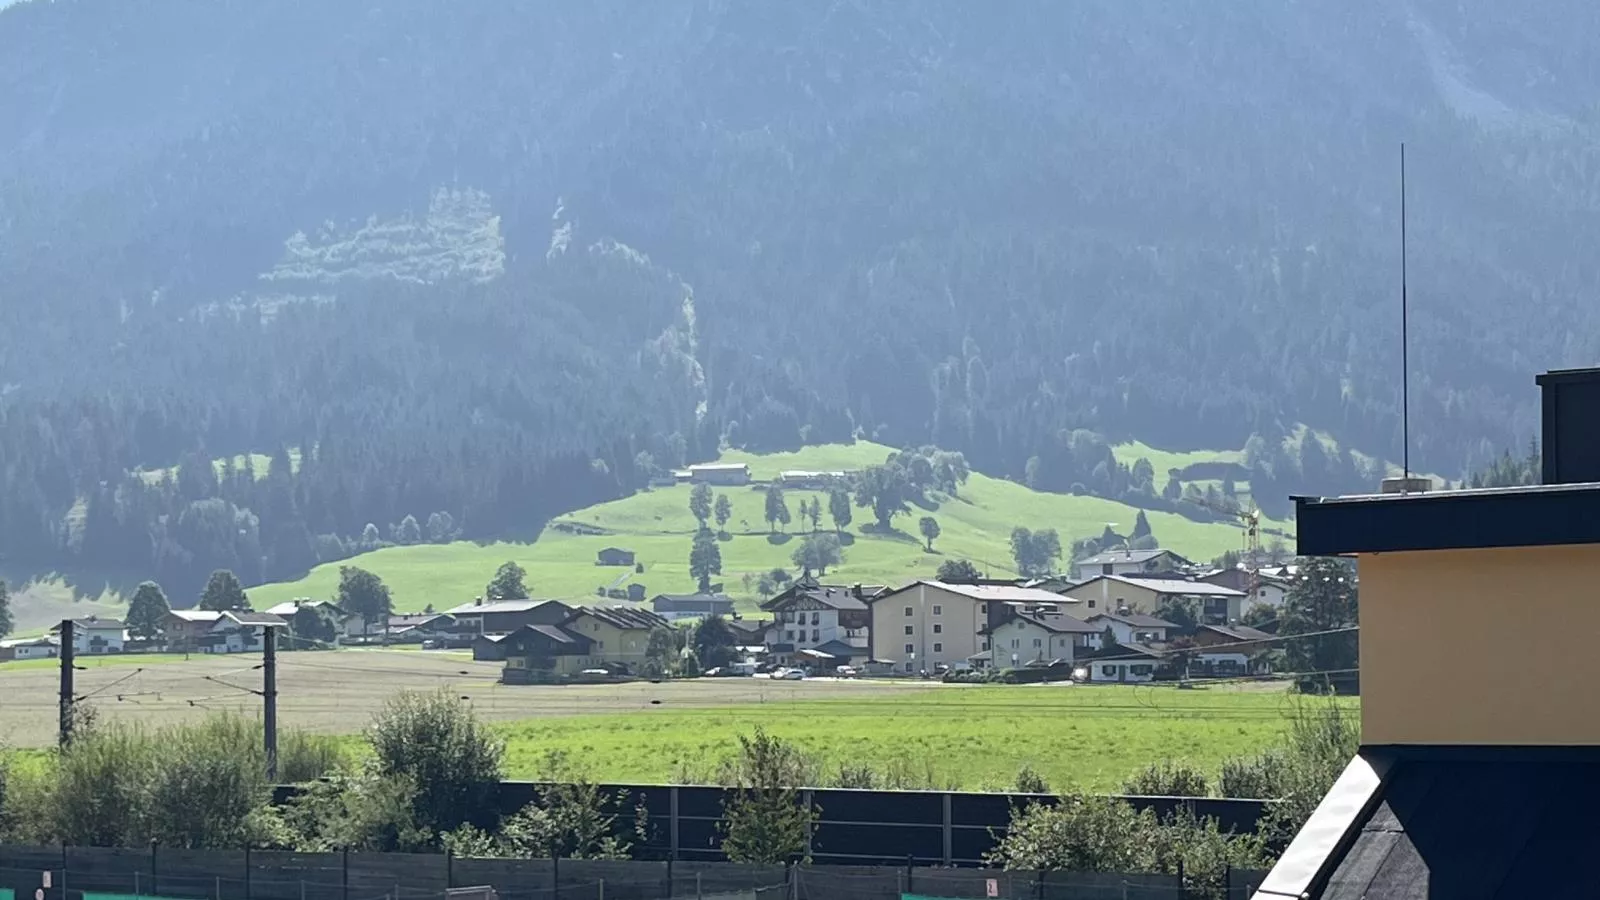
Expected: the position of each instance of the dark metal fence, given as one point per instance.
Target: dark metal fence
(93, 873)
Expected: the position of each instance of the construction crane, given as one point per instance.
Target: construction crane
(1250, 521)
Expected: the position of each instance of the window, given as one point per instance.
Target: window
(1139, 670)
(1105, 568)
(909, 629)
(815, 636)
(1263, 592)
(938, 610)
(816, 618)
(602, 645)
(1091, 604)
(1015, 643)
(937, 628)
(1108, 671)
(908, 665)
(788, 635)
(938, 648)
(911, 648)
(985, 645)
(1036, 642)
(908, 611)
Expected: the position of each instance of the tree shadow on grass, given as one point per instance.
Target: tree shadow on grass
(891, 534)
(779, 539)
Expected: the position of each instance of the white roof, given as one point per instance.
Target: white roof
(1170, 586)
(196, 615)
(701, 467)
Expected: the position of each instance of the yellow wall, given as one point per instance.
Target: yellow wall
(1481, 646)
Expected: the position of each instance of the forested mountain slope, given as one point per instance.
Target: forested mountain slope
(480, 256)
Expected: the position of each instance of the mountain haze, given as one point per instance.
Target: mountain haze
(481, 256)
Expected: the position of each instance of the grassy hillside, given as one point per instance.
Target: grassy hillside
(657, 526)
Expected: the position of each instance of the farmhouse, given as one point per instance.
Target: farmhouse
(344, 623)
(506, 616)
(1230, 650)
(30, 648)
(1483, 787)
(1269, 590)
(675, 607)
(1114, 593)
(732, 474)
(828, 623)
(186, 629)
(1123, 664)
(238, 631)
(1016, 637)
(95, 635)
(1131, 628)
(614, 556)
(927, 624)
(1131, 562)
(534, 652)
(414, 627)
(619, 635)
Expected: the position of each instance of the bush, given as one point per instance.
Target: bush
(452, 759)
(766, 820)
(1258, 777)
(1166, 779)
(1031, 782)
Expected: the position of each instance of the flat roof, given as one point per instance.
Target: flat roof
(1529, 516)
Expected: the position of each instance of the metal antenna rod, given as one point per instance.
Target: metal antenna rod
(1405, 342)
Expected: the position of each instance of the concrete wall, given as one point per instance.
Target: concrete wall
(1446, 660)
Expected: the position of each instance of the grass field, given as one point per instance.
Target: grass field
(657, 526)
(947, 735)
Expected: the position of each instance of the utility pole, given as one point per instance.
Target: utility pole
(269, 697)
(66, 682)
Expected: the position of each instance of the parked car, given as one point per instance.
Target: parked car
(789, 674)
(847, 672)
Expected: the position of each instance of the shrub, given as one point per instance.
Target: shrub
(452, 759)
(1031, 782)
(1258, 777)
(1166, 779)
(766, 820)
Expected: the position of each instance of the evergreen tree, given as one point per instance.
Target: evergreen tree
(7, 624)
(223, 592)
(705, 559)
(700, 503)
(714, 642)
(777, 509)
(147, 612)
(408, 531)
(929, 526)
(1141, 526)
(724, 511)
(839, 507)
(510, 582)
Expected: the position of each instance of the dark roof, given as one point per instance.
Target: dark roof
(840, 648)
(834, 596)
(555, 633)
(94, 622)
(708, 601)
(1127, 556)
(624, 617)
(413, 619)
(750, 627)
(1535, 516)
(1060, 623)
(1124, 651)
(1497, 822)
(1239, 632)
(1137, 620)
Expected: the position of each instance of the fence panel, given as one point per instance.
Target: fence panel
(1109, 886)
(284, 875)
(1242, 883)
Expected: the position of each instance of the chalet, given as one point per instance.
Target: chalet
(94, 635)
(821, 623)
(186, 629)
(614, 556)
(928, 624)
(1132, 628)
(1224, 650)
(535, 652)
(1122, 664)
(30, 648)
(1115, 593)
(1131, 562)
(238, 631)
(1018, 636)
(506, 616)
(344, 623)
(676, 607)
(619, 635)
(415, 627)
(1464, 786)
(1260, 588)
